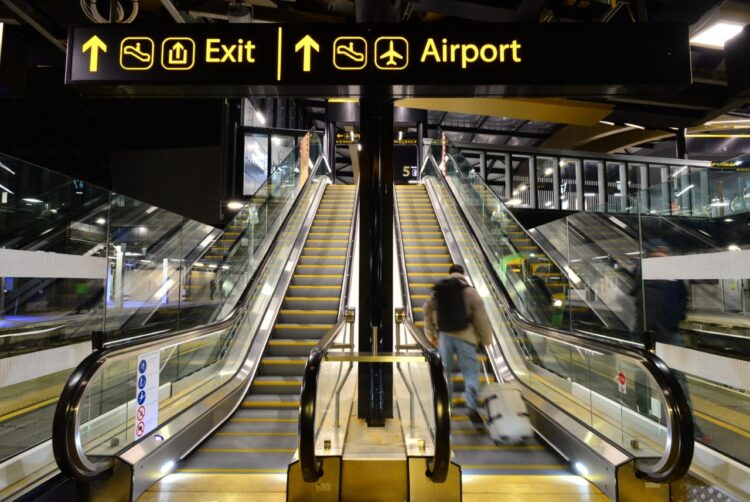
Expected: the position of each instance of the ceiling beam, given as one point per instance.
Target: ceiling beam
(34, 18)
(489, 132)
(556, 110)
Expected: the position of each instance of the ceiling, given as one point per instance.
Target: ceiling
(708, 98)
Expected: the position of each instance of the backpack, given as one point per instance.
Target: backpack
(451, 307)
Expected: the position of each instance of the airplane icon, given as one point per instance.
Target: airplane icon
(391, 54)
(395, 57)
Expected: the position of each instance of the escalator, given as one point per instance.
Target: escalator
(232, 401)
(427, 260)
(261, 437)
(720, 463)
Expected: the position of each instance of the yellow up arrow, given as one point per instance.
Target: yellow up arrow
(94, 44)
(308, 45)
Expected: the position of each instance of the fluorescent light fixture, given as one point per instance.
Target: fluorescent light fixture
(532, 255)
(716, 35)
(1, 164)
(351, 135)
(719, 203)
(225, 267)
(213, 265)
(7, 189)
(684, 190)
(548, 171)
(728, 220)
(1, 40)
(729, 121)
(679, 171)
(400, 135)
(234, 205)
(581, 469)
(513, 202)
(557, 303)
(618, 222)
(101, 221)
(151, 209)
(734, 247)
(606, 122)
(31, 200)
(590, 194)
(634, 126)
(359, 147)
(261, 118)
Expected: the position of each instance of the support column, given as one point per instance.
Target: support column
(483, 165)
(420, 147)
(681, 143)
(331, 148)
(375, 394)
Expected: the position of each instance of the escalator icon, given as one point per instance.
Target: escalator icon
(136, 53)
(350, 53)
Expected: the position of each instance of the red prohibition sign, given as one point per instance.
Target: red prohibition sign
(139, 429)
(141, 413)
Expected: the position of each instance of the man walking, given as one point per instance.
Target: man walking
(455, 319)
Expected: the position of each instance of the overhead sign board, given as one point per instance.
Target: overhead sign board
(438, 55)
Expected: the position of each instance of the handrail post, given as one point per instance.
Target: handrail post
(349, 317)
(400, 316)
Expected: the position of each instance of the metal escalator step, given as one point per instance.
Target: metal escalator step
(317, 266)
(278, 347)
(317, 279)
(322, 251)
(276, 385)
(320, 302)
(427, 266)
(270, 401)
(285, 366)
(300, 331)
(301, 316)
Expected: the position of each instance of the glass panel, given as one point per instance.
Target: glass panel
(521, 195)
(255, 165)
(568, 185)
(545, 182)
(496, 173)
(616, 179)
(591, 184)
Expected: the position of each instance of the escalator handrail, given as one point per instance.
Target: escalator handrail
(310, 466)
(678, 453)
(66, 441)
(438, 467)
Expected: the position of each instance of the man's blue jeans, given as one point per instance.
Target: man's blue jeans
(467, 363)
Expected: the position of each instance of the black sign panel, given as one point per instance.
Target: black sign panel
(437, 55)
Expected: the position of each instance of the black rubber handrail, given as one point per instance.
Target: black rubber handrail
(438, 467)
(310, 465)
(678, 455)
(66, 441)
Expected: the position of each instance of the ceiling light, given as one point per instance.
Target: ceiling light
(400, 135)
(1, 164)
(7, 189)
(548, 171)
(101, 221)
(634, 126)
(734, 247)
(728, 220)
(716, 35)
(32, 201)
(234, 205)
(606, 122)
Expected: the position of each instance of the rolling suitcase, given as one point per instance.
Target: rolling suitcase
(507, 417)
